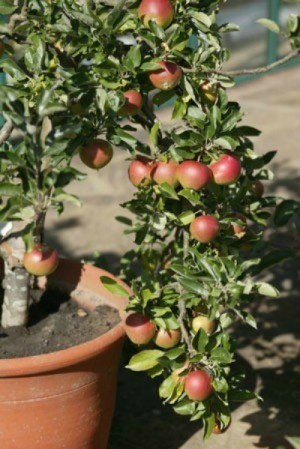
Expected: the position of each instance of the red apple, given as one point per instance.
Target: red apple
(42, 260)
(161, 11)
(226, 170)
(203, 322)
(133, 103)
(198, 385)
(165, 172)
(167, 338)
(139, 329)
(193, 175)
(139, 171)
(239, 230)
(257, 188)
(96, 154)
(167, 77)
(205, 228)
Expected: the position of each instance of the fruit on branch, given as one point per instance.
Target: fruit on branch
(139, 171)
(226, 170)
(167, 338)
(2, 48)
(217, 430)
(239, 230)
(165, 172)
(257, 188)
(198, 385)
(133, 103)
(205, 228)
(203, 322)
(97, 154)
(167, 77)
(209, 92)
(139, 329)
(193, 175)
(160, 11)
(42, 260)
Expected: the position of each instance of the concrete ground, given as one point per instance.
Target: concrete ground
(270, 355)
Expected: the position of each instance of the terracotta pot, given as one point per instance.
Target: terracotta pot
(64, 400)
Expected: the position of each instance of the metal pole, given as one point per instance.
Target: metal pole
(273, 39)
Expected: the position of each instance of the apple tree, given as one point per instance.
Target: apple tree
(74, 71)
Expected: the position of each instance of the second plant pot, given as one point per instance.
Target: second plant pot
(64, 400)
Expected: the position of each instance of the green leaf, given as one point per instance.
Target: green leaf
(241, 395)
(145, 360)
(270, 24)
(7, 7)
(113, 286)
(8, 189)
(294, 441)
(284, 212)
(200, 341)
(266, 289)
(221, 355)
(209, 423)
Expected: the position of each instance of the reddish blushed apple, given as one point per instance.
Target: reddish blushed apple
(160, 11)
(226, 170)
(139, 329)
(133, 103)
(198, 385)
(205, 228)
(203, 322)
(167, 77)
(139, 171)
(165, 172)
(193, 175)
(97, 154)
(42, 260)
(167, 339)
(257, 188)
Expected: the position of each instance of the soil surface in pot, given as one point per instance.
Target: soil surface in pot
(56, 322)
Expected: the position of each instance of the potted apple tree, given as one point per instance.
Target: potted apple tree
(200, 205)
(74, 70)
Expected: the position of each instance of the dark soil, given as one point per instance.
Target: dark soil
(56, 322)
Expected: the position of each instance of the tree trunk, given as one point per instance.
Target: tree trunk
(16, 297)
(15, 282)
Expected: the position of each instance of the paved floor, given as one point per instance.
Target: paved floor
(273, 105)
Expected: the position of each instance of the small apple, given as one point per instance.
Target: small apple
(202, 322)
(239, 230)
(209, 92)
(226, 170)
(160, 11)
(97, 154)
(139, 329)
(257, 188)
(218, 430)
(205, 228)
(198, 385)
(133, 103)
(165, 172)
(167, 77)
(167, 338)
(193, 175)
(42, 260)
(139, 171)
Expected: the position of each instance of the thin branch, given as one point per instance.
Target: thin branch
(257, 71)
(6, 131)
(181, 302)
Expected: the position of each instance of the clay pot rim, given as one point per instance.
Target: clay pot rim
(25, 366)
